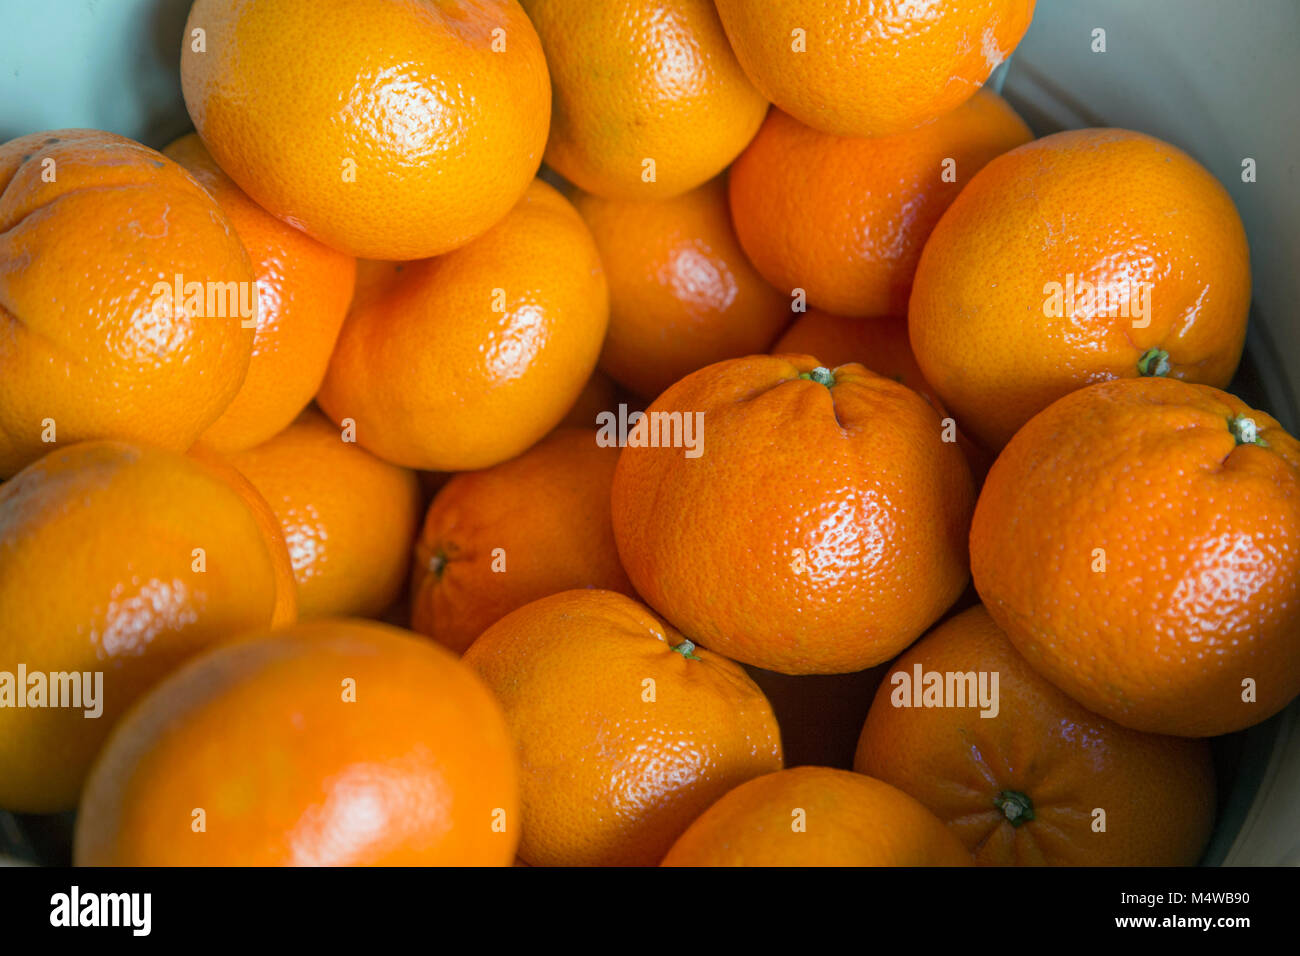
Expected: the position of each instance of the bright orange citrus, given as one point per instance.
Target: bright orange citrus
(1087, 255)
(330, 743)
(625, 730)
(1137, 542)
(121, 560)
(682, 295)
(96, 232)
(388, 129)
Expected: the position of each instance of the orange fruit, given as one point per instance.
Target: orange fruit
(389, 130)
(330, 743)
(876, 68)
(120, 560)
(303, 292)
(649, 100)
(600, 394)
(625, 730)
(467, 359)
(286, 587)
(1137, 542)
(1002, 318)
(348, 517)
(827, 551)
(682, 295)
(845, 219)
(881, 345)
(98, 344)
(817, 816)
(1025, 786)
(481, 554)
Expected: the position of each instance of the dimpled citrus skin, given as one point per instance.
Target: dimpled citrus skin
(872, 68)
(636, 81)
(481, 555)
(303, 292)
(622, 740)
(84, 340)
(845, 219)
(286, 588)
(1157, 792)
(99, 573)
(881, 345)
(411, 771)
(465, 360)
(389, 129)
(348, 517)
(1035, 216)
(682, 295)
(1200, 538)
(848, 820)
(820, 530)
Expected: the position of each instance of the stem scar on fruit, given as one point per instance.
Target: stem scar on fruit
(687, 649)
(1154, 362)
(1245, 431)
(821, 375)
(1015, 806)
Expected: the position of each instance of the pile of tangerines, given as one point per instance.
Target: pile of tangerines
(923, 348)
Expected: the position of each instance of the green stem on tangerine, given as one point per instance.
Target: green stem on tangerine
(1015, 806)
(687, 649)
(1245, 431)
(1154, 362)
(821, 375)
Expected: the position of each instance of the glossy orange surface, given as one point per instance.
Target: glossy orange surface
(820, 529)
(845, 219)
(881, 345)
(872, 67)
(303, 292)
(682, 294)
(88, 343)
(348, 517)
(389, 129)
(465, 360)
(116, 558)
(636, 82)
(625, 733)
(816, 816)
(1146, 560)
(496, 539)
(1000, 320)
(1157, 792)
(414, 769)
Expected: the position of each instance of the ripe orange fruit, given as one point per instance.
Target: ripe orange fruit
(118, 559)
(1025, 786)
(286, 587)
(845, 219)
(481, 554)
(682, 295)
(816, 816)
(881, 345)
(827, 551)
(330, 743)
(626, 731)
(100, 346)
(877, 68)
(389, 130)
(1001, 317)
(348, 517)
(466, 360)
(1137, 542)
(303, 292)
(649, 99)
